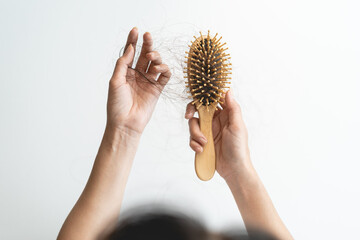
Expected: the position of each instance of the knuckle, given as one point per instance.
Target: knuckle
(112, 83)
(167, 71)
(192, 144)
(188, 107)
(120, 61)
(192, 121)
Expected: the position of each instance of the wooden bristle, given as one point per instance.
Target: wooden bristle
(208, 70)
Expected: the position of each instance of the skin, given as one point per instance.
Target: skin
(234, 165)
(131, 102)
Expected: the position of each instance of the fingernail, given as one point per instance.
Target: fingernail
(128, 49)
(199, 149)
(203, 140)
(147, 34)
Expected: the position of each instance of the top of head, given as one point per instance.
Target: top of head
(207, 70)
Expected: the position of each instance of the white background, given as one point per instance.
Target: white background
(296, 75)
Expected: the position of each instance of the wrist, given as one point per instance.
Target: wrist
(242, 173)
(243, 183)
(121, 137)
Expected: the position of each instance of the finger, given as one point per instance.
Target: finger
(190, 111)
(217, 112)
(122, 65)
(143, 63)
(162, 68)
(165, 74)
(155, 59)
(195, 132)
(234, 108)
(132, 40)
(216, 127)
(223, 100)
(195, 146)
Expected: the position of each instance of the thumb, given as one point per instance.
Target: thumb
(233, 108)
(123, 63)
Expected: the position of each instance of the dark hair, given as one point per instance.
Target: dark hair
(167, 226)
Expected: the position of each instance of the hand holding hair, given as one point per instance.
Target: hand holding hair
(132, 97)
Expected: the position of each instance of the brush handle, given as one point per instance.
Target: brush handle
(205, 161)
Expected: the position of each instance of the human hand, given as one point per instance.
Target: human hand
(133, 93)
(230, 138)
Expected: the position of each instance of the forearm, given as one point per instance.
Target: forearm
(255, 205)
(97, 210)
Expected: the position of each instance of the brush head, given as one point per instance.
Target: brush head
(208, 70)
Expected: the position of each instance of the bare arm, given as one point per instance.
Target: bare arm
(234, 165)
(255, 205)
(96, 212)
(131, 102)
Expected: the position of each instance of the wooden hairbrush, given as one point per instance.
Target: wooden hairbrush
(208, 73)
